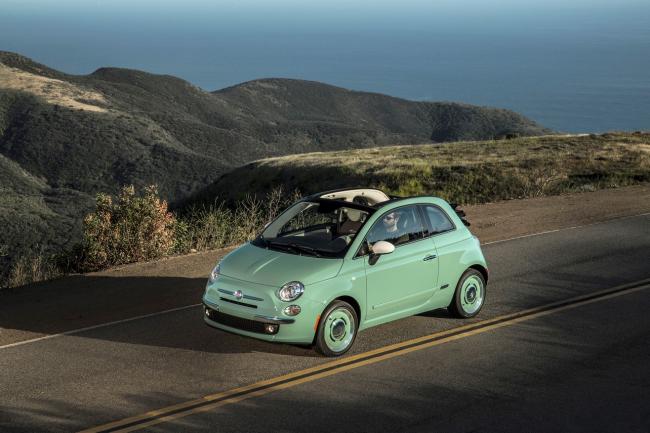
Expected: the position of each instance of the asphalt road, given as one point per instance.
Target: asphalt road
(584, 367)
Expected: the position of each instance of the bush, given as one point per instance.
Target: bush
(204, 227)
(131, 229)
(32, 269)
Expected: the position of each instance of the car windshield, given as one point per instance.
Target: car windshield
(323, 228)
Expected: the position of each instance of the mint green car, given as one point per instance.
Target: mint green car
(339, 262)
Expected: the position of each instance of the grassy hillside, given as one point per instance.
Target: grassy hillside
(64, 138)
(31, 210)
(465, 172)
(135, 227)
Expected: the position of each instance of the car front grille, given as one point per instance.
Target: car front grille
(241, 323)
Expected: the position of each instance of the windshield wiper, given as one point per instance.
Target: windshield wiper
(294, 247)
(280, 245)
(305, 249)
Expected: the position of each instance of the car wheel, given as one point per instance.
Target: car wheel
(469, 296)
(337, 329)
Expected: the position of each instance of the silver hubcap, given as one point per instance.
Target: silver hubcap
(338, 329)
(471, 294)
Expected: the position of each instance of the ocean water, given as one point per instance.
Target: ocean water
(577, 69)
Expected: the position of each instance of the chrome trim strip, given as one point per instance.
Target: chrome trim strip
(274, 319)
(231, 293)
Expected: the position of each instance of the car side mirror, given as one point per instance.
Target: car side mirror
(380, 248)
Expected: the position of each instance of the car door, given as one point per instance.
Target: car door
(449, 247)
(404, 279)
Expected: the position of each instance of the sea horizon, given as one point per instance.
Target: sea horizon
(569, 74)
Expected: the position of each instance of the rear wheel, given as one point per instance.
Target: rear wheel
(337, 329)
(469, 296)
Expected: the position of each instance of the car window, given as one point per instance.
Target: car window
(309, 219)
(439, 220)
(323, 228)
(397, 226)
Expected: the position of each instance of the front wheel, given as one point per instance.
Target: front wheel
(469, 296)
(337, 329)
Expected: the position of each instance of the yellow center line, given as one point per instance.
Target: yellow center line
(341, 365)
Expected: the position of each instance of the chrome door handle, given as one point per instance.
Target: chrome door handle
(430, 257)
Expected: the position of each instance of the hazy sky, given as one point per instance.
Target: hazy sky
(323, 15)
(47, 28)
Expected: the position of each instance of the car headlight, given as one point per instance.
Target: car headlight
(290, 291)
(215, 273)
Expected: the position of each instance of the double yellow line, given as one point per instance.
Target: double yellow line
(212, 401)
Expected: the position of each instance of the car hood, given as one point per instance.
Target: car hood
(275, 268)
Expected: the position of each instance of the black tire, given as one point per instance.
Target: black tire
(465, 310)
(326, 325)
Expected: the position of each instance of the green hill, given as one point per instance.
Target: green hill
(63, 138)
(464, 172)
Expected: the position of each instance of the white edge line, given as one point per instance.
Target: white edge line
(564, 228)
(186, 307)
(524, 236)
(101, 325)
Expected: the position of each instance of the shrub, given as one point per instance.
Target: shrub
(203, 228)
(31, 268)
(130, 229)
(215, 226)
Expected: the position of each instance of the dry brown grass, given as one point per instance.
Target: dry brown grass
(393, 158)
(466, 172)
(216, 226)
(53, 91)
(32, 269)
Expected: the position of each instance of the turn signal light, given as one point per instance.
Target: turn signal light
(292, 310)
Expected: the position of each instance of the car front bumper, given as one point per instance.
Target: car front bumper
(297, 329)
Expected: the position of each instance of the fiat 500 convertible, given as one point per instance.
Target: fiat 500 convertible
(338, 262)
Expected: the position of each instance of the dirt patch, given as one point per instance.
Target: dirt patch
(53, 91)
(644, 147)
(508, 219)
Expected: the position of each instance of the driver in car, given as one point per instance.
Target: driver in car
(389, 230)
